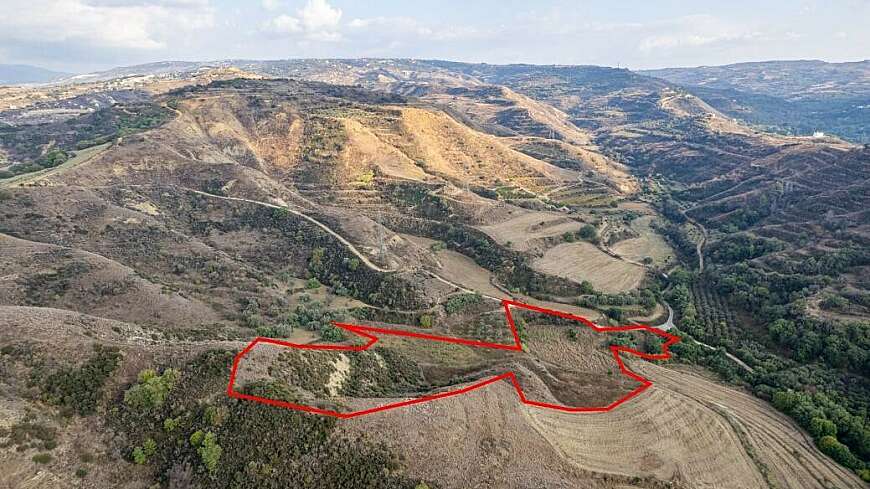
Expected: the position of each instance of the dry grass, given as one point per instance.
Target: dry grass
(462, 270)
(446, 147)
(365, 150)
(673, 432)
(582, 261)
(525, 227)
(648, 244)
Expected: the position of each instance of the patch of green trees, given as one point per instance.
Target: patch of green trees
(219, 442)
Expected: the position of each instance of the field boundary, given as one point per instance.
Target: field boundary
(370, 334)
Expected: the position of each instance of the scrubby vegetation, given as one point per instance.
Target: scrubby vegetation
(79, 389)
(382, 372)
(811, 368)
(225, 443)
(763, 275)
(644, 299)
(28, 434)
(49, 145)
(151, 390)
(459, 302)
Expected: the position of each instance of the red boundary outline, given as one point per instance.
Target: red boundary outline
(370, 331)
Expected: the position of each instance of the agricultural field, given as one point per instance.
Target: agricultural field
(649, 244)
(581, 261)
(527, 230)
(342, 380)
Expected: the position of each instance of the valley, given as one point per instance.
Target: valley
(145, 242)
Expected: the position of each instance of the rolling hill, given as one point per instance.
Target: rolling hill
(170, 213)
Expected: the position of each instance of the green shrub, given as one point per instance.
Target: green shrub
(839, 452)
(81, 472)
(171, 424)
(277, 331)
(331, 333)
(820, 427)
(459, 302)
(152, 389)
(42, 458)
(312, 283)
(588, 232)
(196, 438)
(616, 314)
(149, 447)
(353, 264)
(139, 456)
(53, 158)
(81, 388)
(210, 452)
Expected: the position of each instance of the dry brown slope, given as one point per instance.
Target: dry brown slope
(476, 440)
(695, 431)
(446, 147)
(790, 454)
(54, 276)
(364, 150)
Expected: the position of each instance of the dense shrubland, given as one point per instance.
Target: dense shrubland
(79, 389)
(193, 439)
(813, 369)
(755, 296)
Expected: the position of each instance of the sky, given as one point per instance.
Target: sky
(87, 35)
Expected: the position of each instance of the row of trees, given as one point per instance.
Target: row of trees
(828, 402)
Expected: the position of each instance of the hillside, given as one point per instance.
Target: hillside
(790, 80)
(792, 97)
(154, 224)
(16, 74)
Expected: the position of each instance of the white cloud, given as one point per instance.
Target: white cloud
(694, 31)
(319, 15)
(316, 21)
(271, 5)
(147, 3)
(393, 25)
(284, 24)
(141, 24)
(407, 28)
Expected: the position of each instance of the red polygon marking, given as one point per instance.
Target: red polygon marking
(369, 332)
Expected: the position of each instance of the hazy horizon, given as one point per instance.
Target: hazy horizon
(206, 61)
(80, 36)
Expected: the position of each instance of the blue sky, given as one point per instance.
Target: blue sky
(84, 35)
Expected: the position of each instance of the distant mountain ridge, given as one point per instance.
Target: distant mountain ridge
(792, 80)
(14, 74)
(789, 97)
(792, 97)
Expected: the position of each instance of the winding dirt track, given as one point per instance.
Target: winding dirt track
(344, 241)
(310, 219)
